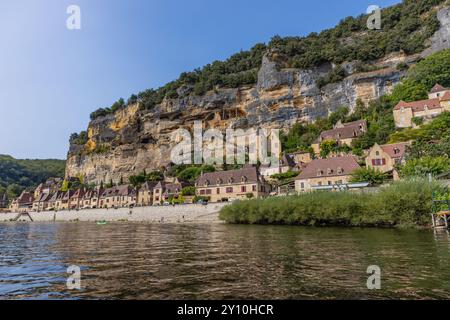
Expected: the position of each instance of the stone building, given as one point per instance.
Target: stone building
(385, 158)
(232, 185)
(23, 203)
(342, 133)
(119, 196)
(411, 114)
(145, 194)
(164, 191)
(326, 172)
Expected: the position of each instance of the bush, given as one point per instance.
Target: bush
(375, 177)
(404, 203)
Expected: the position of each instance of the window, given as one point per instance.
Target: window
(330, 183)
(218, 190)
(378, 162)
(230, 190)
(302, 185)
(340, 170)
(377, 153)
(243, 189)
(319, 173)
(208, 191)
(320, 183)
(254, 188)
(202, 192)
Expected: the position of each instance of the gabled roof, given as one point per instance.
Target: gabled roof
(417, 106)
(249, 174)
(446, 96)
(396, 150)
(332, 167)
(148, 186)
(345, 130)
(288, 161)
(25, 198)
(437, 88)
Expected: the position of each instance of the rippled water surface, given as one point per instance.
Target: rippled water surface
(143, 261)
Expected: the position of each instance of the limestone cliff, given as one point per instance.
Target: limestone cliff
(132, 139)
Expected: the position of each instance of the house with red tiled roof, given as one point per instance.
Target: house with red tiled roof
(224, 186)
(164, 191)
(410, 114)
(326, 172)
(23, 203)
(342, 133)
(386, 158)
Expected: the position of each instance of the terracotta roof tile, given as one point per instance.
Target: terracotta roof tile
(417, 106)
(437, 88)
(347, 131)
(396, 150)
(224, 177)
(332, 167)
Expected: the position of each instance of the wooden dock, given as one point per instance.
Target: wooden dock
(441, 218)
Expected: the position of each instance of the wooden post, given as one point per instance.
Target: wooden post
(433, 220)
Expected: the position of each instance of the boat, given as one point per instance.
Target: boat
(103, 222)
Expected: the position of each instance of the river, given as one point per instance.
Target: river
(218, 261)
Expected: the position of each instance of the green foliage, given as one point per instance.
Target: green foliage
(375, 177)
(335, 75)
(406, 27)
(190, 173)
(434, 131)
(424, 166)
(249, 195)
(434, 69)
(285, 176)
(301, 136)
(404, 203)
(327, 147)
(188, 191)
(417, 121)
(18, 175)
(79, 138)
(138, 180)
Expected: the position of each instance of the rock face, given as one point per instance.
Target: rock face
(132, 140)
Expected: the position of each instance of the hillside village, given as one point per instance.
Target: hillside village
(302, 171)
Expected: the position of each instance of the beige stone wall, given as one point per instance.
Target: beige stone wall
(376, 153)
(306, 185)
(219, 193)
(302, 157)
(145, 198)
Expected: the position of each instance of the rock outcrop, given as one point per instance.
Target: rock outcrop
(132, 140)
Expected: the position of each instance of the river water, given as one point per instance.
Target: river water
(217, 261)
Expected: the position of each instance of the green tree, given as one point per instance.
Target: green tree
(327, 147)
(422, 167)
(375, 177)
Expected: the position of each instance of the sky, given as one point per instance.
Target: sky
(52, 78)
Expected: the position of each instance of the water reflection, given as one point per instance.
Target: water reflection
(142, 261)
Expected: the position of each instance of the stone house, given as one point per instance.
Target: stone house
(64, 203)
(53, 199)
(23, 203)
(326, 172)
(301, 158)
(119, 196)
(342, 133)
(438, 101)
(91, 198)
(163, 191)
(224, 186)
(286, 164)
(42, 202)
(145, 193)
(76, 200)
(385, 158)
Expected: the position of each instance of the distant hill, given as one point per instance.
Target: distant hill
(17, 175)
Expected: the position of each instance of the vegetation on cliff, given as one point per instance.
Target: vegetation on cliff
(18, 175)
(405, 203)
(405, 27)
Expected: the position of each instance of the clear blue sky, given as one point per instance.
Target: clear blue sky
(51, 78)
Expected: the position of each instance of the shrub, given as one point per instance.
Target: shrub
(404, 203)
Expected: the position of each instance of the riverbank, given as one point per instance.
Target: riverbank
(194, 213)
(406, 204)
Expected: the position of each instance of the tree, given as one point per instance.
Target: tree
(327, 147)
(422, 167)
(188, 191)
(375, 177)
